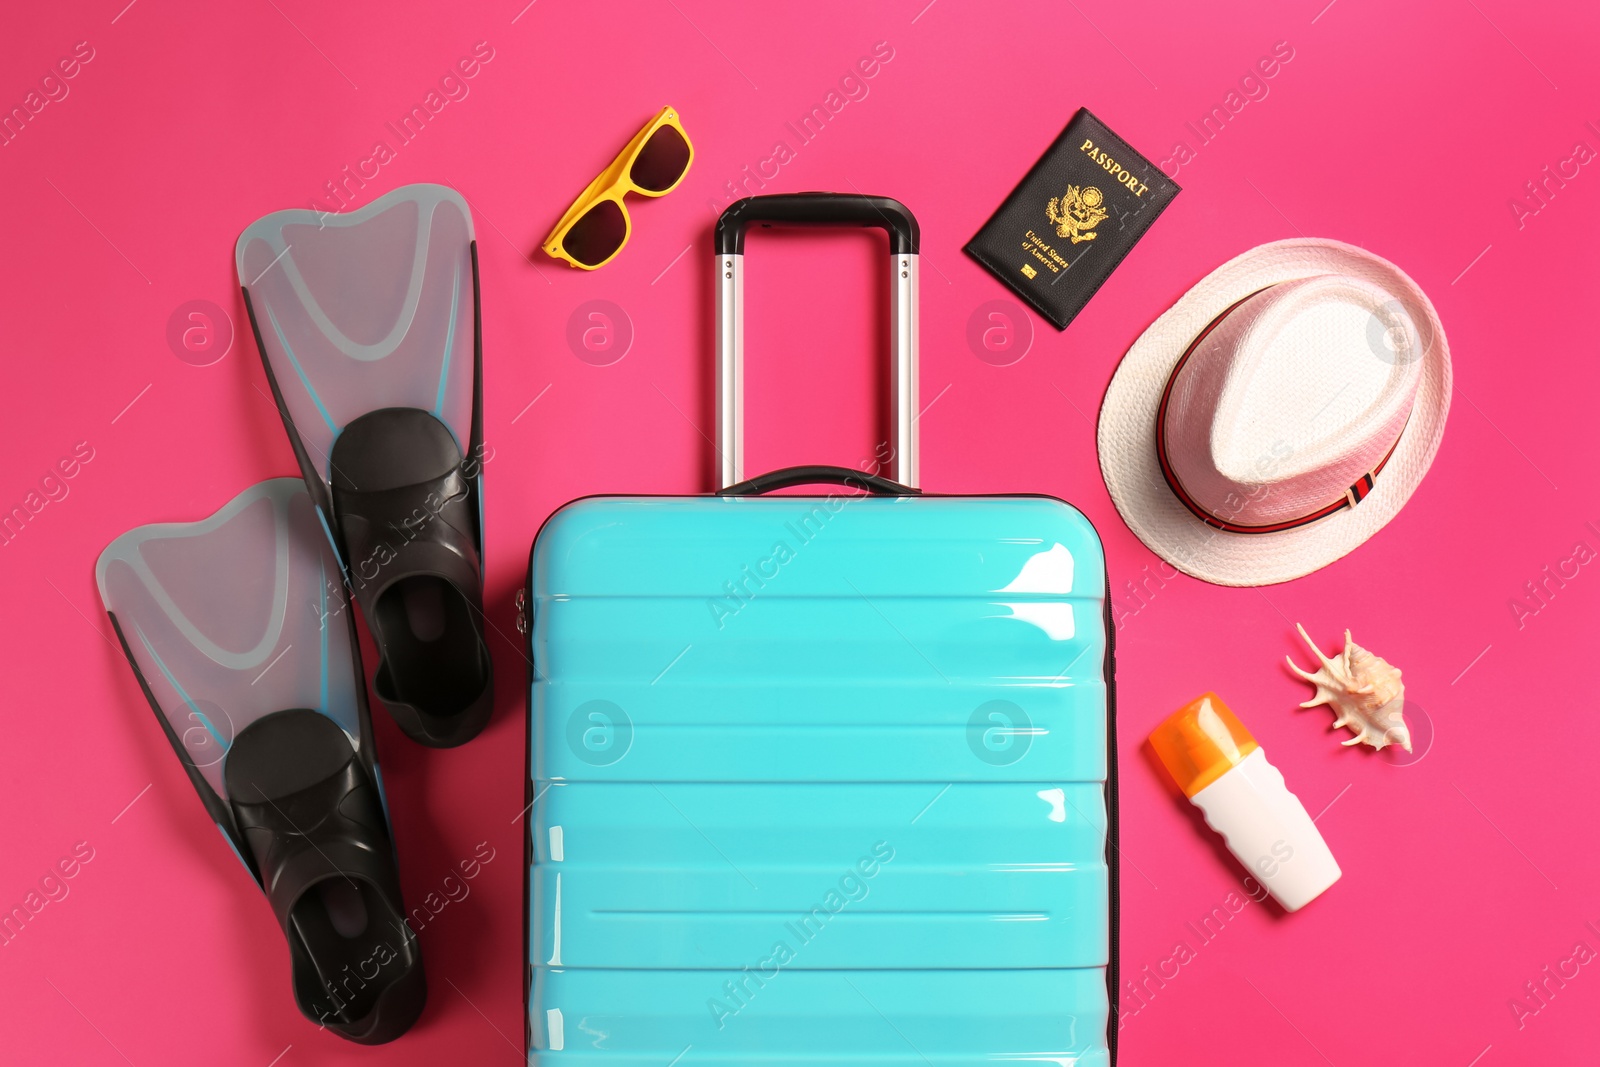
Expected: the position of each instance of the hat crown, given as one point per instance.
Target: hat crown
(1395, 343)
(1291, 397)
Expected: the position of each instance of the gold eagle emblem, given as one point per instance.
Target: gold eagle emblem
(1077, 213)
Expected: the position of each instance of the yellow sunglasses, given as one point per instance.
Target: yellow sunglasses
(596, 226)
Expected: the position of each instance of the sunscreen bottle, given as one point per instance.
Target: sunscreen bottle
(1225, 774)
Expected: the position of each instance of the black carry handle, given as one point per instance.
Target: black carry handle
(812, 474)
(819, 209)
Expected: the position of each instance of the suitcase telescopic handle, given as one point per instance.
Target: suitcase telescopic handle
(818, 209)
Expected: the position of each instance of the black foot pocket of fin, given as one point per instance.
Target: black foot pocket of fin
(312, 816)
(407, 518)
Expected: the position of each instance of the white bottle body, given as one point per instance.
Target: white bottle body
(1269, 831)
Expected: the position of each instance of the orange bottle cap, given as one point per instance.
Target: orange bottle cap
(1200, 742)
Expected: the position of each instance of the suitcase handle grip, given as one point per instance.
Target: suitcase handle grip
(819, 209)
(786, 477)
(842, 209)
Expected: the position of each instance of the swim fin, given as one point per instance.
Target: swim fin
(237, 629)
(367, 323)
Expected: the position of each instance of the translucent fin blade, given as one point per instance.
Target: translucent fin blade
(235, 617)
(366, 310)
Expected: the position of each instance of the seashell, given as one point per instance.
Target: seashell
(1364, 691)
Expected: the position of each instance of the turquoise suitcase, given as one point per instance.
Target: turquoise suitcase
(823, 779)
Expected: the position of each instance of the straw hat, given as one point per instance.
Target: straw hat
(1279, 414)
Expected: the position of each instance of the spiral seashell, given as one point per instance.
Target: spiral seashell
(1364, 690)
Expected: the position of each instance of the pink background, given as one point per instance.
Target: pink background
(1406, 131)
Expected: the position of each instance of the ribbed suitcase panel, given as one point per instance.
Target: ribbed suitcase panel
(898, 729)
(906, 876)
(920, 546)
(813, 824)
(808, 747)
(775, 1017)
(831, 633)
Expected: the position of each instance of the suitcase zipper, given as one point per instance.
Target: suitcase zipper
(528, 796)
(1113, 873)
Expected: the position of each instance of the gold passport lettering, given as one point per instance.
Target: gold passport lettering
(1042, 251)
(1113, 168)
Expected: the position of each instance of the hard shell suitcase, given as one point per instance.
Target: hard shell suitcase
(820, 779)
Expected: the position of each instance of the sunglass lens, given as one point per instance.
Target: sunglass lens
(661, 162)
(596, 236)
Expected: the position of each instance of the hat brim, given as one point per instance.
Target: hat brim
(1126, 436)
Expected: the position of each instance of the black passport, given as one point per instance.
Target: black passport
(1067, 225)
